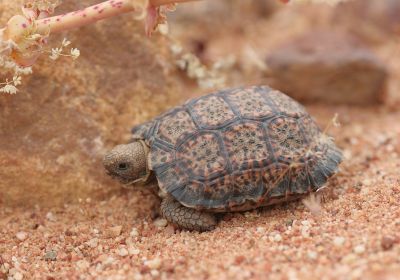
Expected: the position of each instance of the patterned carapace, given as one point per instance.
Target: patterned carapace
(238, 149)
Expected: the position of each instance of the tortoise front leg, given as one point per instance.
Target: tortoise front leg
(185, 217)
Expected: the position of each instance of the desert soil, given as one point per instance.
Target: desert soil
(352, 234)
(61, 217)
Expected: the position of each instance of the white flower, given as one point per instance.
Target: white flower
(335, 120)
(75, 53)
(163, 28)
(55, 53)
(23, 70)
(16, 80)
(65, 42)
(176, 49)
(9, 64)
(9, 89)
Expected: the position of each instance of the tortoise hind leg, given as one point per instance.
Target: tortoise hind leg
(185, 217)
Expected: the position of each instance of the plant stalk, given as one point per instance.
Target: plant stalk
(92, 14)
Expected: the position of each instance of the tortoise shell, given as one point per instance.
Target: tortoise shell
(238, 149)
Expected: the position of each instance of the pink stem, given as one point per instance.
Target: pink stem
(91, 14)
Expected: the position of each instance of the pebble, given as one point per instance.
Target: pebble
(133, 251)
(260, 229)
(305, 231)
(367, 182)
(50, 216)
(18, 276)
(277, 237)
(93, 242)
(108, 261)
(12, 271)
(134, 232)
(161, 223)
(359, 249)
(123, 252)
(387, 242)
(114, 231)
(170, 230)
(153, 264)
(312, 255)
(82, 264)
(21, 235)
(339, 241)
(50, 255)
(350, 258)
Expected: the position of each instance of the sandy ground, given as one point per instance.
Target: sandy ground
(354, 234)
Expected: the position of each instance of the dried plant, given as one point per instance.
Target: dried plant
(206, 77)
(313, 200)
(25, 36)
(313, 203)
(330, 2)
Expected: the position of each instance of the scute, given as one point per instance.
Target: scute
(141, 131)
(239, 149)
(245, 143)
(286, 138)
(250, 104)
(202, 155)
(160, 156)
(285, 104)
(174, 125)
(211, 111)
(172, 179)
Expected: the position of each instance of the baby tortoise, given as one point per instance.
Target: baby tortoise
(233, 150)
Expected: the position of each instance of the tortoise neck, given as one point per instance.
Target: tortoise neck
(147, 178)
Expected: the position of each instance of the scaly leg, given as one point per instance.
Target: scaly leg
(185, 217)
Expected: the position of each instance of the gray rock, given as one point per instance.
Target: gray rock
(50, 255)
(372, 20)
(328, 67)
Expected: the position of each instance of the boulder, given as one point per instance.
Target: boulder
(328, 66)
(371, 20)
(55, 130)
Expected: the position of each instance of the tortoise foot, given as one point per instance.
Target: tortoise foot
(186, 218)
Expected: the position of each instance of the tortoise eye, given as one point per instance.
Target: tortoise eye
(123, 166)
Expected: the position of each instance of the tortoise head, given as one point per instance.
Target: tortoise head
(128, 163)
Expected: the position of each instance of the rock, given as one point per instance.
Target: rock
(133, 250)
(330, 67)
(50, 255)
(92, 243)
(260, 230)
(387, 242)
(70, 112)
(161, 223)
(114, 231)
(21, 236)
(338, 241)
(134, 232)
(153, 264)
(82, 264)
(278, 237)
(369, 19)
(50, 216)
(123, 252)
(18, 276)
(312, 255)
(359, 249)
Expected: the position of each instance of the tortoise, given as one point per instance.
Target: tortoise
(232, 150)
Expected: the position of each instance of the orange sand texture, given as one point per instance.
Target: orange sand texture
(61, 217)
